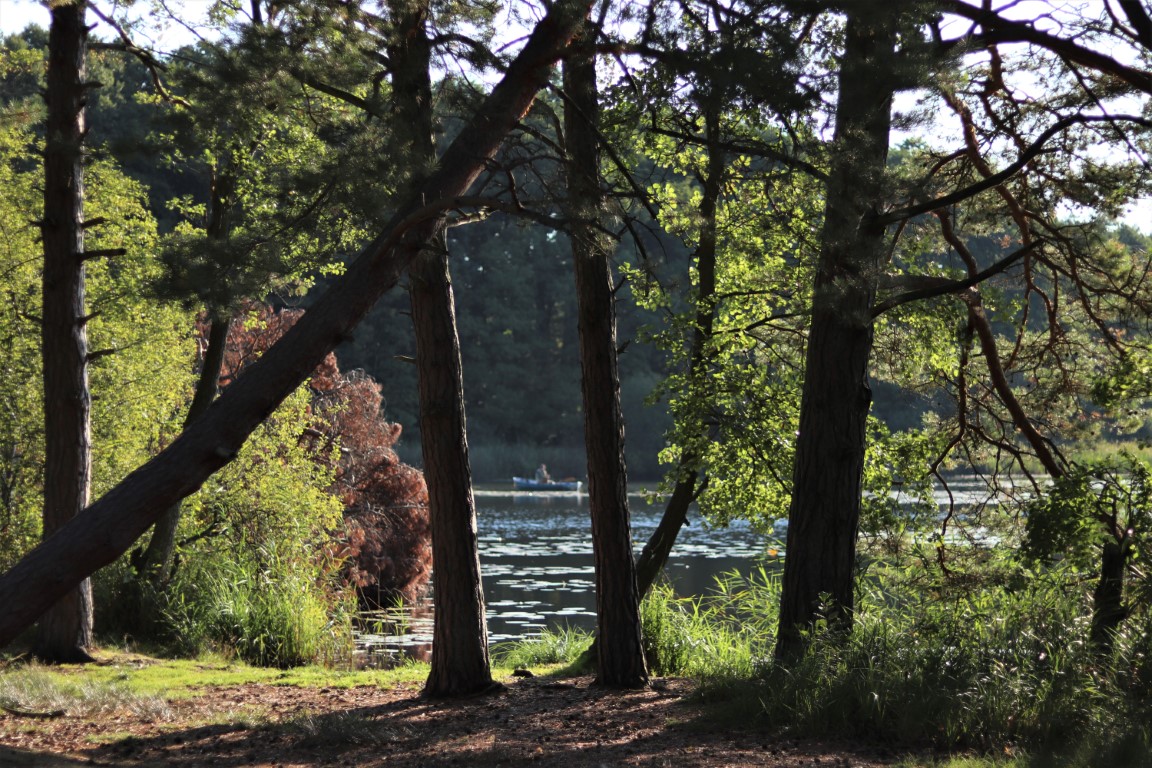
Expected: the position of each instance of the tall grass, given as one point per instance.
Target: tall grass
(554, 646)
(278, 616)
(725, 634)
(985, 667)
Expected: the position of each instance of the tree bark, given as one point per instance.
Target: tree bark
(620, 660)
(108, 527)
(460, 663)
(1108, 608)
(66, 629)
(824, 517)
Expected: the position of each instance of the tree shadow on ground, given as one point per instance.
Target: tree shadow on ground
(11, 757)
(535, 722)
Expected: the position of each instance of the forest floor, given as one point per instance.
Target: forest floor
(538, 721)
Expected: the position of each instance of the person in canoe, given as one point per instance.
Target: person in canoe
(542, 475)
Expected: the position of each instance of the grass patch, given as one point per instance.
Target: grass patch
(130, 674)
(340, 730)
(34, 688)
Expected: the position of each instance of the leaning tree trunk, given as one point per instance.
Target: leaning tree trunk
(460, 663)
(689, 481)
(65, 630)
(111, 525)
(827, 477)
(621, 654)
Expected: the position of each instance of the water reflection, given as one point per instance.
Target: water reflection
(536, 555)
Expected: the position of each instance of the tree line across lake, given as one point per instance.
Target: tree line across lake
(676, 239)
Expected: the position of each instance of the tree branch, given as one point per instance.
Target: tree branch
(999, 178)
(145, 57)
(954, 286)
(998, 29)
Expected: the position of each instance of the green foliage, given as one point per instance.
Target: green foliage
(1126, 386)
(975, 666)
(965, 664)
(21, 396)
(259, 219)
(898, 499)
(734, 401)
(256, 577)
(278, 617)
(139, 374)
(1111, 499)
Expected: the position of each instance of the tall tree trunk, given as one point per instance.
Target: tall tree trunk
(65, 630)
(460, 663)
(826, 491)
(1108, 608)
(111, 525)
(621, 653)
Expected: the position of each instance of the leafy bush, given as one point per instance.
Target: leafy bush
(255, 576)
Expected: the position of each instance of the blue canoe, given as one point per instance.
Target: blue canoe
(530, 484)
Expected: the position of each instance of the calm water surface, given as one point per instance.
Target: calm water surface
(536, 562)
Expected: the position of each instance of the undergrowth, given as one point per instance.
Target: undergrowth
(988, 666)
(275, 617)
(723, 635)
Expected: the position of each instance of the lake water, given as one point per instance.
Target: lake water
(536, 563)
